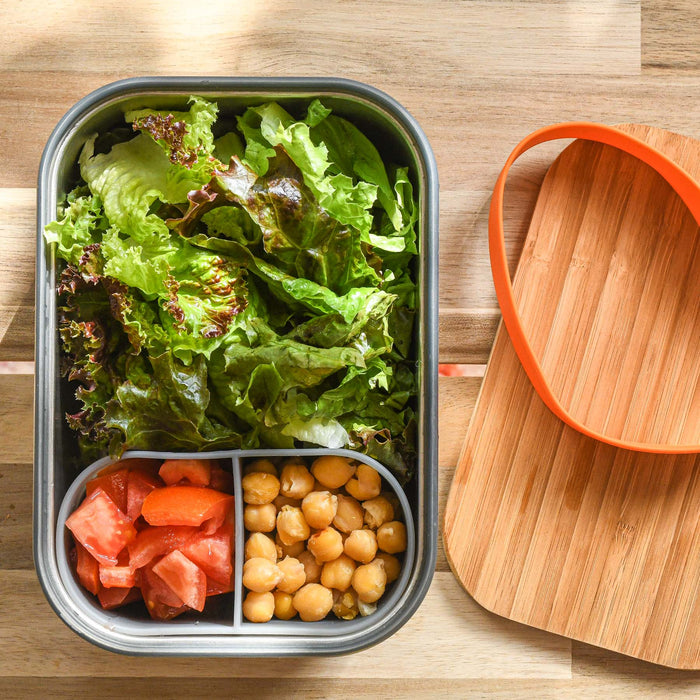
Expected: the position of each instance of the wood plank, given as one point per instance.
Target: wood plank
(16, 516)
(670, 35)
(32, 637)
(16, 418)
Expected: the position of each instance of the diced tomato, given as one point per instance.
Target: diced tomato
(113, 484)
(154, 590)
(184, 577)
(111, 598)
(221, 480)
(154, 542)
(212, 553)
(141, 483)
(87, 568)
(196, 472)
(117, 576)
(215, 588)
(187, 505)
(101, 527)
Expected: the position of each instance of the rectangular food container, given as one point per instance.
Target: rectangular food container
(57, 481)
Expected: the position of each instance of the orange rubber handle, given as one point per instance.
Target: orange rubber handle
(684, 185)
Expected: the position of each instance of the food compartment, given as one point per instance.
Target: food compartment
(289, 537)
(133, 618)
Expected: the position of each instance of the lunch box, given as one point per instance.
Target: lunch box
(59, 477)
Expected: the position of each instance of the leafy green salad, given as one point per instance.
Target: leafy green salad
(252, 288)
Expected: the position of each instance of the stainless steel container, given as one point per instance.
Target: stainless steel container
(56, 481)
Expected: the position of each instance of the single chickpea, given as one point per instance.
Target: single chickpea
(313, 602)
(338, 573)
(391, 537)
(260, 488)
(367, 483)
(260, 575)
(260, 545)
(361, 545)
(285, 501)
(325, 545)
(377, 511)
(260, 465)
(284, 608)
(289, 550)
(291, 525)
(311, 567)
(345, 605)
(395, 503)
(293, 575)
(332, 471)
(319, 507)
(260, 518)
(392, 566)
(369, 581)
(259, 607)
(296, 481)
(350, 514)
(366, 608)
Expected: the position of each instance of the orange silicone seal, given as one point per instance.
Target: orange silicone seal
(683, 184)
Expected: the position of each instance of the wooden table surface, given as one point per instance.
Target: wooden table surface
(478, 76)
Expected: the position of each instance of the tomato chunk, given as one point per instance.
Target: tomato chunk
(221, 480)
(154, 542)
(111, 598)
(101, 527)
(212, 553)
(141, 483)
(215, 588)
(187, 505)
(113, 484)
(196, 472)
(117, 576)
(87, 568)
(184, 578)
(161, 602)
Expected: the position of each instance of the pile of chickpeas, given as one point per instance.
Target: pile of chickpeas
(321, 539)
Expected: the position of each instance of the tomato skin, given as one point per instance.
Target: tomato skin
(196, 472)
(152, 542)
(154, 590)
(212, 553)
(187, 505)
(141, 482)
(113, 484)
(87, 568)
(101, 527)
(184, 578)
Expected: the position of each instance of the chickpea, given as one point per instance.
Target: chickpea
(260, 518)
(259, 607)
(293, 575)
(319, 507)
(332, 471)
(338, 573)
(311, 567)
(366, 608)
(377, 511)
(325, 545)
(395, 503)
(260, 546)
(296, 481)
(260, 465)
(289, 550)
(392, 566)
(260, 575)
(285, 501)
(391, 537)
(284, 608)
(260, 488)
(313, 602)
(367, 483)
(369, 581)
(291, 525)
(350, 514)
(361, 545)
(345, 605)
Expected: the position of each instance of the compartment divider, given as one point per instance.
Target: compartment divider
(239, 544)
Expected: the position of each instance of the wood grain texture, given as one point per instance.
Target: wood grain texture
(671, 35)
(551, 528)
